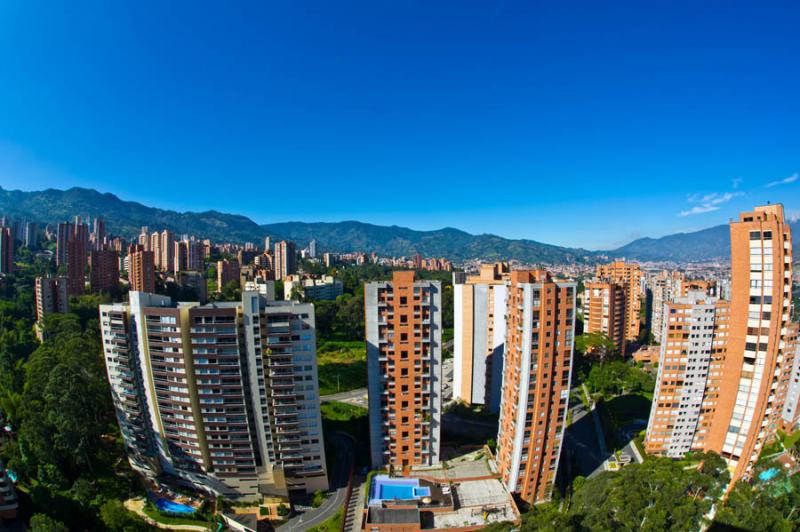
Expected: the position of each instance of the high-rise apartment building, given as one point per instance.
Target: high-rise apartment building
(64, 235)
(693, 348)
(312, 249)
(76, 265)
(32, 235)
(155, 247)
(144, 239)
(663, 286)
(540, 314)
(628, 275)
(285, 259)
(189, 255)
(98, 236)
(167, 246)
(791, 402)
(224, 396)
(6, 250)
(104, 275)
(761, 273)
(480, 335)
(51, 296)
(141, 269)
(227, 271)
(728, 393)
(403, 321)
(604, 311)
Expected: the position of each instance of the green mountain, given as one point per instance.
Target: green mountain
(126, 218)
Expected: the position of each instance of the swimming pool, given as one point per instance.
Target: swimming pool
(165, 505)
(767, 475)
(385, 488)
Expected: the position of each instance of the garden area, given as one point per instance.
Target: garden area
(341, 365)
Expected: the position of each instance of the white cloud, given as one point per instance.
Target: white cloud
(735, 182)
(709, 202)
(785, 181)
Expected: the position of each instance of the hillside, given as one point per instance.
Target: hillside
(126, 218)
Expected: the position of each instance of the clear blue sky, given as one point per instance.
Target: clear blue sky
(575, 123)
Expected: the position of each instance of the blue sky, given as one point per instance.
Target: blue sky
(574, 123)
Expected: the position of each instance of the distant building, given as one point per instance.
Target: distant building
(285, 259)
(104, 276)
(312, 249)
(404, 365)
(141, 269)
(51, 296)
(76, 266)
(628, 275)
(189, 256)
(64, 235)
(604, 311)
(329, 259)
(6, 250)
(32, 235)
(195, 281)
(166, 262)
(227, 271)
(540, 313)
(479, 335)
(326, 288)
(261, 286)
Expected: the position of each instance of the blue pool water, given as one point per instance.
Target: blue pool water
(173, 507)
(12, 476)
(422, 491)
(769, 474)
(390, 491)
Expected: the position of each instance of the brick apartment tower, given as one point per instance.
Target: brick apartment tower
(604, 310)
(167, 261)
(227, 271)
(693, 349)
(761, 277)
(480, 335)
(536, 379)
(285, 259)
(6, 250)
(104, 275)
(76, 266)
(628, 276)
(749, 372)
(403, 334)
(51, 296)
(141, 274)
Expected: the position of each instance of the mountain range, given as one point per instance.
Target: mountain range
(126, 218)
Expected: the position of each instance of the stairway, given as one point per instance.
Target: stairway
(353, 511)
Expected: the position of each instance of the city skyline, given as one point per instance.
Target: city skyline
(676, 117)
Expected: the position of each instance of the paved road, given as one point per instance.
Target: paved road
(356, 397)
(359, 396)
(315, 516)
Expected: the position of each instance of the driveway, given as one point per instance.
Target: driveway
(338, 481)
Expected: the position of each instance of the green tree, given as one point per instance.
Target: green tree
(45, 523)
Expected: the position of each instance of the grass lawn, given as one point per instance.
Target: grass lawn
(626, 408)
(342, 366)
(155, 515)
(333, 524)
(789, 439)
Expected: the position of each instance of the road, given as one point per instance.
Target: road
(358, 397)
(338, 478)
